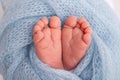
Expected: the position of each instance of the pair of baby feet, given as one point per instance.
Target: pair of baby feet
(62, 49)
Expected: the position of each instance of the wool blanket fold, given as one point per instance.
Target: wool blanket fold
(18, 60)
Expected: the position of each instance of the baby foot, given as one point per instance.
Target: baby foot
(76, 38)
(47, 41)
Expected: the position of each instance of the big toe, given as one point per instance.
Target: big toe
(71, 21)
(55, 22)
(55, 25)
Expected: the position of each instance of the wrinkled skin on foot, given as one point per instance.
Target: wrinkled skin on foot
(76, 38)
(47, 41)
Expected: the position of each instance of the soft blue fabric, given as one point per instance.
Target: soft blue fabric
(18, 60)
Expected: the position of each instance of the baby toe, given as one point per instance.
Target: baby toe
(71, 21)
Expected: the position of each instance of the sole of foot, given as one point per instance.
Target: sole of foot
(76, 38)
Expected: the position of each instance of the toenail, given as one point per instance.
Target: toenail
(71, 21)
(55, 22)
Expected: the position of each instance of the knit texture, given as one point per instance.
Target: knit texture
(18, 60)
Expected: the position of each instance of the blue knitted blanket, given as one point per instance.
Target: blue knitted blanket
(18, 60)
